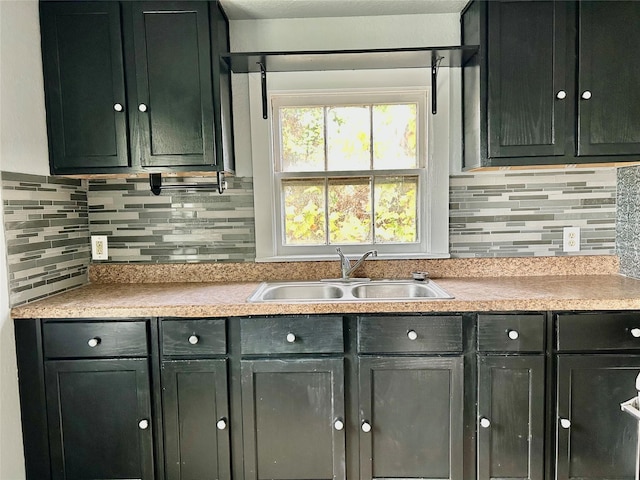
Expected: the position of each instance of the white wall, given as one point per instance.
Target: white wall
(23, 149)
(391, 31)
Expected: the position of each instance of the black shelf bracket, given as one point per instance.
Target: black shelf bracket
(263, 81)
(435, 66)
(155, 182)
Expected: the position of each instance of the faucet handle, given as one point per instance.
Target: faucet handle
(420, 276)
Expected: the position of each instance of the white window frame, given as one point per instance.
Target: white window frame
(433, 180)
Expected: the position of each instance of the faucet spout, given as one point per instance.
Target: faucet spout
(345, 265)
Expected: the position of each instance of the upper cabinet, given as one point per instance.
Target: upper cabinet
(135, 87)
(553, 83)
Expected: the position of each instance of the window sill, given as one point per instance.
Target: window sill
(324, 258)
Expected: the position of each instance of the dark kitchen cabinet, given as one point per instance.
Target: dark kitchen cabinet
(293, 398)
(293, 418)
(411, 408)
(196, 419)
(598, 361)
(136, 86)
(195, 398)
(530, 99)
(98, 399)
(511, 396)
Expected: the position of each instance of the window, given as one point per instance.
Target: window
(346, 167)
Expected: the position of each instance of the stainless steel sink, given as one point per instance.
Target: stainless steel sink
(398, 290)
(354, 291)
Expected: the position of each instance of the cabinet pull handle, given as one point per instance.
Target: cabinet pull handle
(142, 107)
(221, 424)
(513, 334)
(93, 342)
(586, 95)
(565, 423)
(366, 427)
(412, 335)
(635, 332)
(194, 339)
(561, 95)
(338, 424)
(143, 424)
(291, 337)
(485, 422)
(118, 107)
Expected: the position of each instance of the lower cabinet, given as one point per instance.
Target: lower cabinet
(293, 418)
(411, 411)
(196, 419)
(529, 396)
(99, 419)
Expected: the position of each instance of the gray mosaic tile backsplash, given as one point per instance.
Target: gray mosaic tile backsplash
(47, 235)
(514, 214)
(628, 221)
(176, 226)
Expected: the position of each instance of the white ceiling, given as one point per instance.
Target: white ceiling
(264, 9)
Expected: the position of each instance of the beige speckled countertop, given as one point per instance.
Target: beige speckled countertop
(208, 299)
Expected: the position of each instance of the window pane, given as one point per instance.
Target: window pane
(350, 210)
(394, 136)
(348, 138)
(396, 209)
(302, 139)
(304, 212)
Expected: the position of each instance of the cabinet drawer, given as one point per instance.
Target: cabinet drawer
(194, 337)
(511, 333)
(263, 336)
(94, 339)
(598, 331)
(408, 334)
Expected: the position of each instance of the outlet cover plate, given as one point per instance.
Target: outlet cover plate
(99, 247)
(571, 239)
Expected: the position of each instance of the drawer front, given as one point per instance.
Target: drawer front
(511, 333)
(264, 336)
(409, 334)
(598, 331)
(94, 339)
(194, 337)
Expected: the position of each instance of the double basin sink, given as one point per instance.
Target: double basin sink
(348, 291)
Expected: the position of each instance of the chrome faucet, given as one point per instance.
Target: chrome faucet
(345, 265)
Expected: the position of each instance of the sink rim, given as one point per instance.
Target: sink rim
(347, 288)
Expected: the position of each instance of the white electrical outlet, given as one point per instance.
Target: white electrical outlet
(99, 247)
(571, 239)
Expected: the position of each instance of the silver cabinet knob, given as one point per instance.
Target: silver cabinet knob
(586, 95)
(366, 427)
(635, 332)
(513, 334)
(142, 107)
(194, 339)
(561, 95)
(221, 424)
(485, 422)
(565, 423)
(143, 424)
(291, 337)
(338, 424)
(93, 342)
(412, 335)
(118, 107)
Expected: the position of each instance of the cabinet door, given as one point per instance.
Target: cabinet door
(196, 419)
(411, 417)
(173, 83)
(293, 419)
(595, 439)
(526, 58)
(511, 417)
(84, 85)
(99, 419)
(609, 120)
